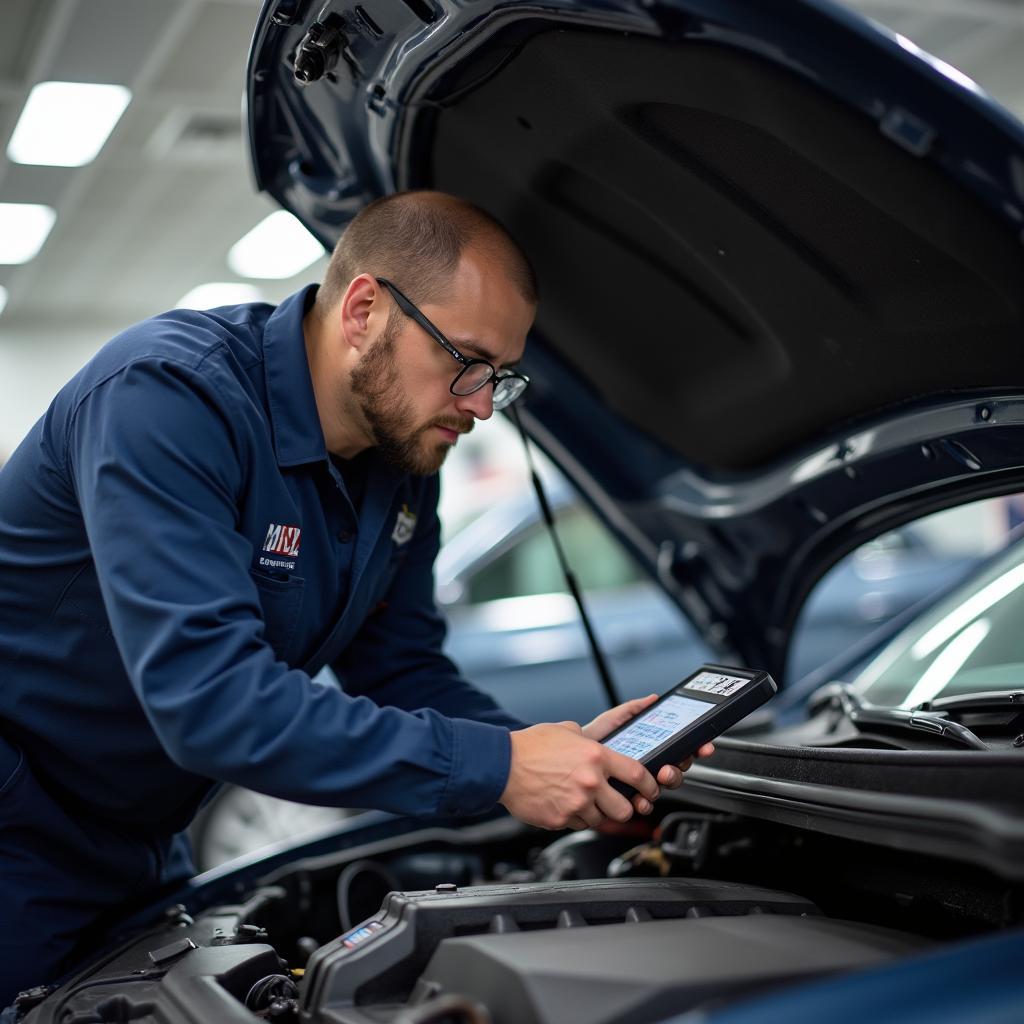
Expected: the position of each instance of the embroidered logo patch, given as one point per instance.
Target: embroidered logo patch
(405, 523)
(282, 540)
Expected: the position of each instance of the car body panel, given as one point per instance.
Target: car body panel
(771, 445)
(972, 981)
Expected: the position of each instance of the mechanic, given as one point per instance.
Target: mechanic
(215, 507)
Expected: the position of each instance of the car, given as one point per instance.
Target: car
(515, 630)
(781, 268)
(517, 634)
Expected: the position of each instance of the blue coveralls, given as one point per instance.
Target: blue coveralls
(178, 557)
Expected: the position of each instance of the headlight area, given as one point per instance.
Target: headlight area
(500, 923)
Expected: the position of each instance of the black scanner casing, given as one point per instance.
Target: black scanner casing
(728, 711)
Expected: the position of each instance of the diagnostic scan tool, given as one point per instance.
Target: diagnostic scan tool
(696, 710)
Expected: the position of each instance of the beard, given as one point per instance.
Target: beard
(399, 440)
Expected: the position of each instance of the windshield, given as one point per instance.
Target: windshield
(970, 642)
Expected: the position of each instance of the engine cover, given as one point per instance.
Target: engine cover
(648, 971)
(608, 951)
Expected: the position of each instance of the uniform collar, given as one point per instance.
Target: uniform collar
(298, 436)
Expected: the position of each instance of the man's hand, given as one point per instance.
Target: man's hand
(559, 778)
(670, 776)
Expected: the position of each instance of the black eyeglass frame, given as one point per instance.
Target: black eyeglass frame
(494, 379)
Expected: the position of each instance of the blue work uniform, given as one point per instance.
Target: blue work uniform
(179, 556)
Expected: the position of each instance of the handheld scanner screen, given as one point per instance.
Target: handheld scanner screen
(660, 723)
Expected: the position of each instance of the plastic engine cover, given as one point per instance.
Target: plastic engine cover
(603, 952)
(647, 971)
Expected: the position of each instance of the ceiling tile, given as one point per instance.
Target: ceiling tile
(212, 57)
(941, 35)
(30, 184)
(24, 22)
(110, 40)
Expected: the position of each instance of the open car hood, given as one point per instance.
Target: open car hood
(780, 256)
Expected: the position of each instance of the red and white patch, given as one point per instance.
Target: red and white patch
(282, 540)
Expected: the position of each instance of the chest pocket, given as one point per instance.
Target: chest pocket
(281, 601)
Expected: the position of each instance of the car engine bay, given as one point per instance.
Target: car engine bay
(497, 922)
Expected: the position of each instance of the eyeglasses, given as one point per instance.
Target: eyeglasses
(475, 373)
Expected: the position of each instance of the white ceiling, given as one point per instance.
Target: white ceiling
(157, 211)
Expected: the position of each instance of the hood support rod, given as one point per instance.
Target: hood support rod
(600, 661)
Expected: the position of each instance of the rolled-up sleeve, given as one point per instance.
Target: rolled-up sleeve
(158, 461)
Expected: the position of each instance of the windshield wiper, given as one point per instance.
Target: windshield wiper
(920, 721)
(989, 700)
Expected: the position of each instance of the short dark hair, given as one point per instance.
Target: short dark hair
(417, 238)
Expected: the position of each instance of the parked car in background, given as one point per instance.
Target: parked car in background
(516, 632)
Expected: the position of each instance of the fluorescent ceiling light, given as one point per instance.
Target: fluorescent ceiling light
(279, 246)
(219, 293)
(23, 229)
(3, 298)
(64, 124)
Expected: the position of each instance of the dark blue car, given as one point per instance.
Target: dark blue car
(782, 276)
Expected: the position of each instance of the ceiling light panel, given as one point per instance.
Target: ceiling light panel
(23, 230)
(65, 124)
(278, 247)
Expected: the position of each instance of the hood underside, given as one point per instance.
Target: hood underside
(782, 278)
(737, 263)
